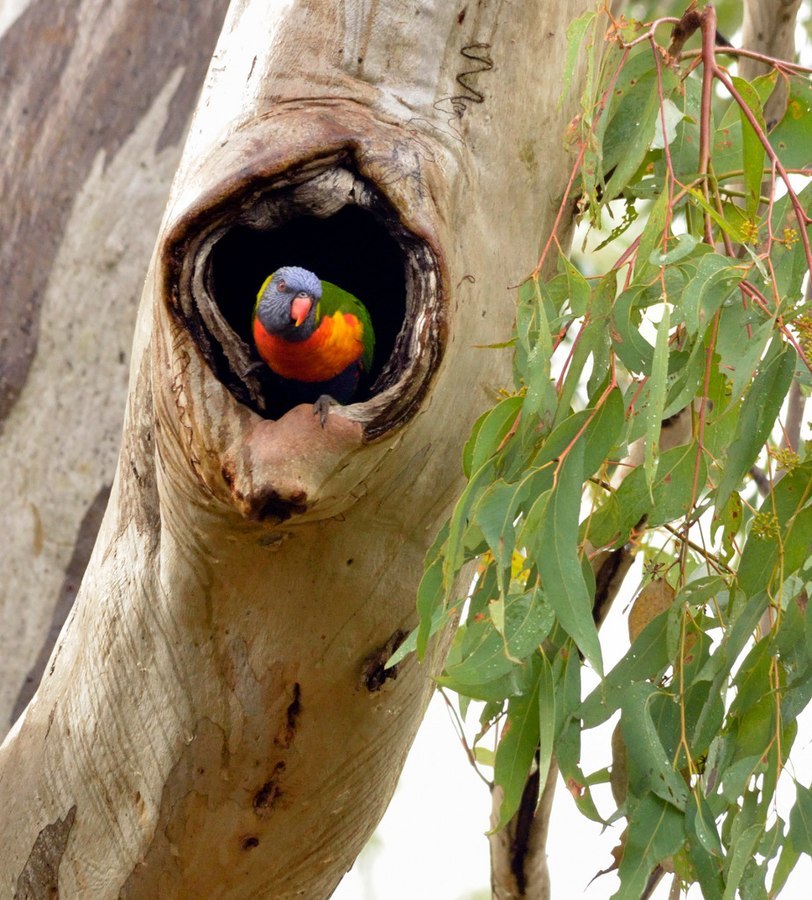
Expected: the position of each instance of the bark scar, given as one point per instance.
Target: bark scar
(40, 877)
(266, 797)
(524, 822)
(374, 673)
(288, 733)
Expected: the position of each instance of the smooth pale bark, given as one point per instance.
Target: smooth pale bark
(768, 27)
(96, 97)
(214, 721)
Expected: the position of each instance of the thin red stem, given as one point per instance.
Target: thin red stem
(709, 64)
(800, 214)
(751, 54)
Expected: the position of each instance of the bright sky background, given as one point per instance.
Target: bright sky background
(431, 843)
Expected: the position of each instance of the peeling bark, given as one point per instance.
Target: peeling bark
(207, 709)
(40, 877)
(96, 100)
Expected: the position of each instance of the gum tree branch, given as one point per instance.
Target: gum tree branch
(215, 719)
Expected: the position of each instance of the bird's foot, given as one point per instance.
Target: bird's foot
(256, 366)
(321, 408)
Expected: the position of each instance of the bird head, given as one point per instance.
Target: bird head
(288, 300)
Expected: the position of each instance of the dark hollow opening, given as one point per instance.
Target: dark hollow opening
(351, 248)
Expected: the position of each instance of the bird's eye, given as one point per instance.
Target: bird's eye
(281, 285)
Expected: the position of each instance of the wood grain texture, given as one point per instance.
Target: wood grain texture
(206, 709)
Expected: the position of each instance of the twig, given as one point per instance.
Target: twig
(708, 19)
(795, 68)
(461, 735)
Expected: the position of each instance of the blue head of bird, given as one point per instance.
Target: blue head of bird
(287, 303)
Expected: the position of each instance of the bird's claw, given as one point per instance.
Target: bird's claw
(321, 408)
(253, 368)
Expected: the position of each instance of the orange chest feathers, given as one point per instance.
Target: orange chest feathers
(333, 346)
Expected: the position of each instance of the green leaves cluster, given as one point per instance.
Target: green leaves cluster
(569, 474)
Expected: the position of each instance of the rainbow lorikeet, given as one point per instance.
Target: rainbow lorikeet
(314, 336)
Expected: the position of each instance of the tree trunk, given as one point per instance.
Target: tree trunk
(216, 720)
(769, 28)
(92, 120)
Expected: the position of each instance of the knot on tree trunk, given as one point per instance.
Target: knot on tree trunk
(329, 187)
(332, 189)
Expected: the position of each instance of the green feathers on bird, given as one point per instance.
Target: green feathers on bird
(312, 332)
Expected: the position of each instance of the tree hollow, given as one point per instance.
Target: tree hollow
(328, 218)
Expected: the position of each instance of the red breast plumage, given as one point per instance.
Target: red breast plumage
(312, 332)
(335, 344)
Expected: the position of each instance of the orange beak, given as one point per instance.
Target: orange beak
(299, 309)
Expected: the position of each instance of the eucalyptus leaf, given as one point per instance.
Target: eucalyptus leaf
(685, 246)
(646, 659)
(653, 413)
(489, 432)
(516, 752)
(699, 821)
(429, 606)
(790, 501)
(792, 137)
(752, 148)
(800, 820)
(490, 651)
(759, 410)
(787, 861)
(650, 767)
(714, 281)
(739, 856)
(669, 499)
(547, 718)
(555, 553)
(651, 239)
(656, 831)
(629, 344)
(576, 30)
